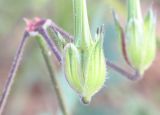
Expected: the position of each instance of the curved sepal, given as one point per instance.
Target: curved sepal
(72, 67)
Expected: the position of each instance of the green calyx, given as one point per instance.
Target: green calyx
(84, 61)
(140, 39)
(85, 69)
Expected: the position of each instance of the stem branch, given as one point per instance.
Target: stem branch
(11, 76)
(55, 82)
(50, 43)
(132, 76)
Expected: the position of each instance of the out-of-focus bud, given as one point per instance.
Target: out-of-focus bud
(140, 40)
(84, 61)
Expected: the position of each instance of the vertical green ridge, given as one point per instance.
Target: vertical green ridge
(82, 29)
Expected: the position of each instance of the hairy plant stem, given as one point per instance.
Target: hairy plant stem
(50, 43)
(132, 76)
(54, 80)
(65, 34)
(13, 70)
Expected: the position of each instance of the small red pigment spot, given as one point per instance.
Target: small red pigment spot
(32, 25)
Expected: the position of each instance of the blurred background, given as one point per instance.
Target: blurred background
(33, 93)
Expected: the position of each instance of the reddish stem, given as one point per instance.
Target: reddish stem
(13, 70)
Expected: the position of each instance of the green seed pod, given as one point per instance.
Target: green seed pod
(85, 69)
(84, 61)
(139, 40)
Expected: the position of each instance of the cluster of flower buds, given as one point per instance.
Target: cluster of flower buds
(138, 40)
(84, 61)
